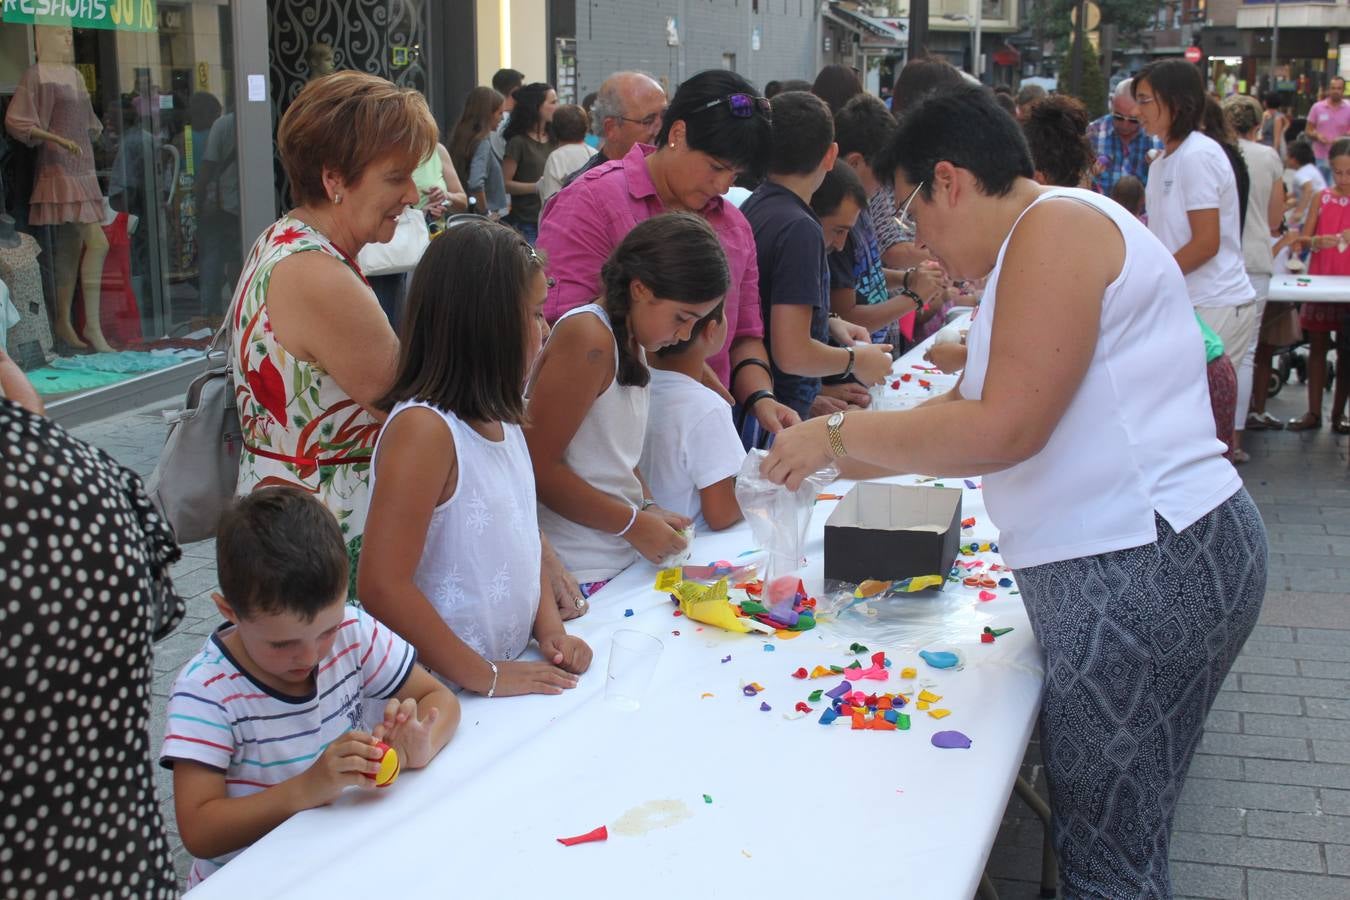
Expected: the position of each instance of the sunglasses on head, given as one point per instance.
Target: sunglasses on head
(742, 105)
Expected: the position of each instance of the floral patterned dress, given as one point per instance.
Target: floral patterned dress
(300, 428)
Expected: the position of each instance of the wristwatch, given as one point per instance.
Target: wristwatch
(832, 426)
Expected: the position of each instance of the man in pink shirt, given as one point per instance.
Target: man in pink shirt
(1328, 121)
(585, 221)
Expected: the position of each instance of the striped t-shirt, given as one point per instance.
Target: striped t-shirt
(221, 717)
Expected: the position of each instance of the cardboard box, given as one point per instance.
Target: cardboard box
(890, 531)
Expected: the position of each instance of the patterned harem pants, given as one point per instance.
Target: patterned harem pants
(1137, 643)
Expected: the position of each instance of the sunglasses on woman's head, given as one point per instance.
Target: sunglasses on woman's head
(742, 105)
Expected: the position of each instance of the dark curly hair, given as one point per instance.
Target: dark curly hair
(678, 257)
(1055, 128)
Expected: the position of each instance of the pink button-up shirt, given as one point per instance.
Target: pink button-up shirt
(581, 226)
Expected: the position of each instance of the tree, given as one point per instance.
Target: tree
(1093, 90)
(1130, 17)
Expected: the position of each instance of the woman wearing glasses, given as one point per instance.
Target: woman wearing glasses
(1141, 559)
(715, 128)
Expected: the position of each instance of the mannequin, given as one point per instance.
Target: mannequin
(51, 110)
(30, 339)
(320, 60)
(121, 325)
(9, 236)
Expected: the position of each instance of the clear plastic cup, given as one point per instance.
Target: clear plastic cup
(632, 659)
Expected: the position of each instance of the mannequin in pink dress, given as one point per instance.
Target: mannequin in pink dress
(51, 110)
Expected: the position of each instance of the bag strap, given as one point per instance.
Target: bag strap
(221, 340)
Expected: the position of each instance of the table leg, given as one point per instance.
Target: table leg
(1049, 868)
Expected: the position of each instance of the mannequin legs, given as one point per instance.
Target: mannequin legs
(80, 250)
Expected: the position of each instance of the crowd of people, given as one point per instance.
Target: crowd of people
(580, 366)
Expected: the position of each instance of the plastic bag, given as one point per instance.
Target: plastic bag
(777, 516)
(922, 619)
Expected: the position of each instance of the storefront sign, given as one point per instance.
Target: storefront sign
(113, 15)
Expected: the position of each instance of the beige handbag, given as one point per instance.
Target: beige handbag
(1280, 326)
(198, 470)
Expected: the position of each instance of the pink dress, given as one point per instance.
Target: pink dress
(1333, 217)
(65, 188)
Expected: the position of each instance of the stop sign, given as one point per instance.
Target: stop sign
(1194, 54)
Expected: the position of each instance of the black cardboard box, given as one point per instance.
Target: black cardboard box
(891, 531)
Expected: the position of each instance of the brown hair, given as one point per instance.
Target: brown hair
(678, 257)
(1056, 131)
(462, 346)
(570, 123)
(1177, 85)
(280, 550)
(344, 122)
(475, 124)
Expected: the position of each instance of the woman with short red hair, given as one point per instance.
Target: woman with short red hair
(312, 350)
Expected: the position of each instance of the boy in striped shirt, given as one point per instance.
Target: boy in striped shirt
(268, 719)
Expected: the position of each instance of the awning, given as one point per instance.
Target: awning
(871, 31)
(1007, 55)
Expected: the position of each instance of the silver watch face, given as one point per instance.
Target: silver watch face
(835, 420)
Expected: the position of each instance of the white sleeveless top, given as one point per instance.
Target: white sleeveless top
(1137, 437)
(603, 452)
(480, 564)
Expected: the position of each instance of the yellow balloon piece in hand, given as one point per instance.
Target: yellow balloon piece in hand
(710, 605)
(389, 766)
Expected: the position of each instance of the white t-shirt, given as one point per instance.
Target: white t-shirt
(1197, 175)
(563, 161)
(691, 443)
(1266, 170)
(1304, 175)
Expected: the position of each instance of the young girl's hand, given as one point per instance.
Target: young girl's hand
(344, 763)
(654, 536)
(516, 678)
(408, 734)
(565, 650)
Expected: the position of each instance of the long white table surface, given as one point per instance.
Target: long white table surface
(798, 809)
(1312, 288)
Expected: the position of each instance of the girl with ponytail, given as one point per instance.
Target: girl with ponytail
(588, 399)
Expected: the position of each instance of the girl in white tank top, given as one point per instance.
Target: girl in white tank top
(452, 560)
(588, 399)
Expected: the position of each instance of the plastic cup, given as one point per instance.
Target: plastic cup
(632, 659)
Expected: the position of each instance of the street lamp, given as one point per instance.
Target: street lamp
(976, 58)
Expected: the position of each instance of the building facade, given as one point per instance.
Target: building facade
(174, 105)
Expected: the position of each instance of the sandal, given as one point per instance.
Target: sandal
(1341, 425)
(1238, 457)
(1255, 422)
(1271, 423)
(1309, 422)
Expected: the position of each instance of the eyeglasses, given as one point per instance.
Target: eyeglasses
(742, 105)
(904, 219)
(1133, 120)
(646, 121)
(1144, 100)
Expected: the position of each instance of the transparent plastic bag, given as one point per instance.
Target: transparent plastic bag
(778, 517)
(920, 619)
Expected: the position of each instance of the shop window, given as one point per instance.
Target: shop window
(119, 189)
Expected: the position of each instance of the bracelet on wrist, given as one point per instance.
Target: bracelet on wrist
(918, 301)
(908, 272)
(493, 666)
(647, 503)
(852, 358)
(629, 526)
(755, 398)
